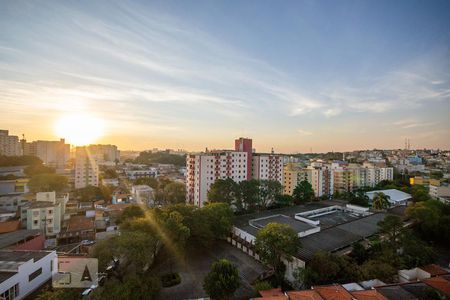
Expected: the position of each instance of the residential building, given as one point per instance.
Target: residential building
(23, 272)
(203, 169)
(146, 172)
(143, 194)
(9, 144)
(440, 192)
(104, 153)
(52, 153)
(86, 168)
(46, 213)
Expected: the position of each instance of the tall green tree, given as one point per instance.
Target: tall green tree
(130, 212)
(224, 190)
(269, 190)
(380, 201)
(275, 242)
(303, 192)
(222, 281)
(88, 193)
(175, 192)
(392, 227)
(47, 183)
(248, 195)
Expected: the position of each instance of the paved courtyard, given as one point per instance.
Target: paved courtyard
(198, 263)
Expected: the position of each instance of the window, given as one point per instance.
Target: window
(11, 293)
(35, 274)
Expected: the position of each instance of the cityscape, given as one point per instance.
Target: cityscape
(225, 150)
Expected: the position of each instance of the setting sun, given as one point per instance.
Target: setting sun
(79, 129)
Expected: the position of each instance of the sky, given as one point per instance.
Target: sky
(295, 75)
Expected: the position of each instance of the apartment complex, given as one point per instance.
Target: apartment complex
(9, 144)
(86, 168)
(326, 179)
(104, 153)
(52, 153)
(203, 169)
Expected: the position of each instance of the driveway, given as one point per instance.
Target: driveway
(198, 263)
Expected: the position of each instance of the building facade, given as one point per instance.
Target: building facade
(240, 164)
(52, 153)
(9, 144)
(86, 168)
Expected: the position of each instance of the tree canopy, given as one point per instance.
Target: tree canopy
(275, 242)
(303, 192)
(47, 183)
(222, 281)
(148, 157)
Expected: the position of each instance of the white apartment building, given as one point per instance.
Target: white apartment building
(9, 144)
(52, 153)
(203, 169)
(320, 178)
(25, 271)
(267, 167)
(86, 168)
(104, 153)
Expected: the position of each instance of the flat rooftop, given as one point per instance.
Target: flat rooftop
(335, 217)
(298, 226)
(11, 238)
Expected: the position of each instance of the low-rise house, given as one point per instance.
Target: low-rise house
(78, 228)
(143, 194)
(22, 272)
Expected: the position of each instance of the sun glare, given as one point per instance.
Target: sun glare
(80, 129)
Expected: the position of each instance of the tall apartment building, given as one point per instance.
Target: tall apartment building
(52, 153)
(104, 153)
(203, 169)
(9, 144)
(86, 168)
(320, 178)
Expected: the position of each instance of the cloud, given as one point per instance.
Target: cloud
(304, 132)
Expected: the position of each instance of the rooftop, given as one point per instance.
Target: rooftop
(368, 295)
(11, 238)
(394, 195)
(333, 292)
(304, 295)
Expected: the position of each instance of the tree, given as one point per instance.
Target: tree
(150, 181)
(47, 183)
(88, 193)
(219, 217)
(133, 287)
(419, 193)
(359, 198)
(248, 195)
(284, 200)
(223, 190)
(275, 242)
(175, 192)
(222, 281)
(130, 212)
(378, 269)
(431, 220)
(269, 190)
(391, 226)
(303, 192)
(359, 253)
(162, 157)
(58, 294)
(380, 201)
(25, 160)
(327, 268)
(37, 169)
(110, 173)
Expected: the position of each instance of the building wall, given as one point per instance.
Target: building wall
(86, 168)
(52, 153)
(9, 144)
(49, 266)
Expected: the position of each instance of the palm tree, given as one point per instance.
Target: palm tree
(380, 201)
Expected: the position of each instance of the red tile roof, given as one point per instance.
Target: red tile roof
(434, 270)
(271, 293)
(304, 295)
(368, 295)
(78, 223)
(439, 283)
(333, 292)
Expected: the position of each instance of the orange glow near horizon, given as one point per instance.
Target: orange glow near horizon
(80, 129)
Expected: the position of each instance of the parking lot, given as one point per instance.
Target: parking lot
(198, 263)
